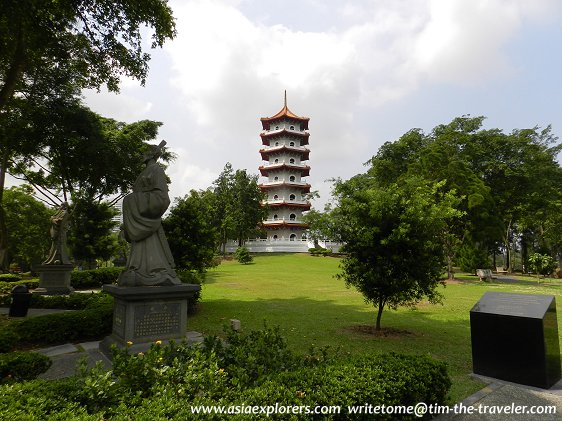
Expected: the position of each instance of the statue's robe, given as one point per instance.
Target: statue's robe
(150, 260)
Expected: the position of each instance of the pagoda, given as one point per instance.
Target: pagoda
(285, 140)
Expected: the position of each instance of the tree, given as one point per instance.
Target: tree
(192, 233)
(85, 159)
(28, 222)
(392, 234)
(238, 209)
(92, 234)
(542, 264)
(246, 209)
(98, 40)
(49, 51)
(508, 182)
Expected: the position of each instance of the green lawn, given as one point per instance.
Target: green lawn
(299, 293)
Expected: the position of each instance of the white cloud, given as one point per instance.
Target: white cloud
(233, 59)
(125, 106)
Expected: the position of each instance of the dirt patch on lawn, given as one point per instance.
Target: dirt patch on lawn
(385, 332)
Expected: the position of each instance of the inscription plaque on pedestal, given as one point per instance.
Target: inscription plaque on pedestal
(515, 338)
(143, 315)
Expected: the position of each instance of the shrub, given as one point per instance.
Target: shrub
(243, 255)
(8, 337)
(94, 278)
(319, 251)
(93, 322)
(542, 264)
(6, 286)
(67, 302)
(10, 277)
(22, 365)
(166, 381)
(192, 277)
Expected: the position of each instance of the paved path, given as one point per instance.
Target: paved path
(66, 357)
(504, 396)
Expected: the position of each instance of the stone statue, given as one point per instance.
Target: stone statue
(150, 261)
(58, 254)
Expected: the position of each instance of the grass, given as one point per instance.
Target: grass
(299, 293)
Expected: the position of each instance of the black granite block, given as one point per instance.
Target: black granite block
(515, 338)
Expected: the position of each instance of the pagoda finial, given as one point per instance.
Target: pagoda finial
(285, 98)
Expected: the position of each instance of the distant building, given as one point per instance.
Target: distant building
(285, 140)
(285, 152)
(118, 206)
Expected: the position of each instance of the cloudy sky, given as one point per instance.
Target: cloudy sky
(364, 72)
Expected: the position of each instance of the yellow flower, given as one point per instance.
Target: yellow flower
(300, 394)
(140, 354)
(221, 370)
(158, 342)
(129, 343)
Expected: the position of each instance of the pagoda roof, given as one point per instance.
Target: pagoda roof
(304, 169)
(304, 152)
(285, 204)
(284, 113)
(285, 224)
(305, 187)
(269, 135)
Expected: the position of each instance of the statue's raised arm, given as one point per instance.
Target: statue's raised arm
(150, 261)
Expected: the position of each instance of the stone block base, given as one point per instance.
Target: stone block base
(143, 315)
(54, 279)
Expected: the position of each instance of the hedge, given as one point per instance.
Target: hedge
(92, 323)
(17, 366)
(166, 381)
(94, 278)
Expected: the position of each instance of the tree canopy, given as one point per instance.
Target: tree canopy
(50, 51)
(393, 247)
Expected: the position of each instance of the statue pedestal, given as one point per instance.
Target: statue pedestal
(145, 314)
(54, 279)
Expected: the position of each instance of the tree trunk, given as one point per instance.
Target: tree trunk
(14, 72)
(3, 228)
(507, 245)
(450, 273)
(379, 315)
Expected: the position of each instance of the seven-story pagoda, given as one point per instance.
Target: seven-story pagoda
(285, 139)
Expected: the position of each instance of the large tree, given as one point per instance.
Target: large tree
(393, 246)
(51, 50)
(508, 181)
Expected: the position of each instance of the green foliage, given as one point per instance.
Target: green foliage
(192, 277)
(8, 338)
(28, 223)
(394, 251)
(191, 231)
(166, 381)
(94, 322)
(319, 251)
(68, 302)
(94, 278)
(6, 286)
(542, 264)
(50, 52)
(237, 204)
(471, 257)
(243, 255)
(9, 277)
(20, 366)
(92, 235)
